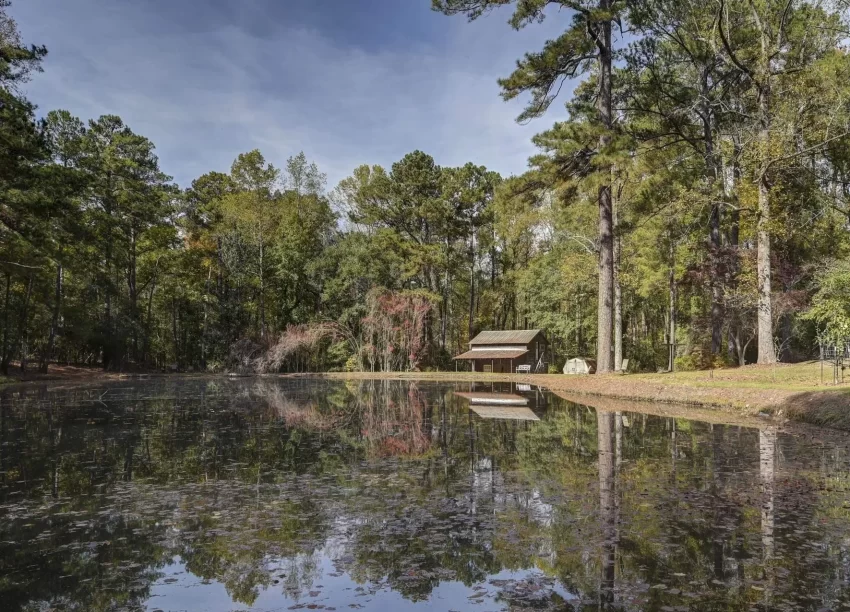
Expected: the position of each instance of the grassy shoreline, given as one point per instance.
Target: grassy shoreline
(786, 392)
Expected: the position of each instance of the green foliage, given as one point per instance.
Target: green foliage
(729, 140)
(830, 306)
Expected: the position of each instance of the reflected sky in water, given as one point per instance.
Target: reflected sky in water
(273, 494)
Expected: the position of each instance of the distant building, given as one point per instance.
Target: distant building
(505, 351)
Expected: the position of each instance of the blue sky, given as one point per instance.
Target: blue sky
(346, 81)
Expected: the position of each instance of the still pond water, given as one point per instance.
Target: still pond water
(320, 495)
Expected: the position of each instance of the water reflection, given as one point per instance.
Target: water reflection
(267, 494)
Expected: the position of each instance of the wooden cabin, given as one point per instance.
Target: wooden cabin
(505, 351)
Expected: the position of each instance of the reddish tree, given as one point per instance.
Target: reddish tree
(394, 330)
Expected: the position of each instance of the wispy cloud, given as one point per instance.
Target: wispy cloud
(205, 85)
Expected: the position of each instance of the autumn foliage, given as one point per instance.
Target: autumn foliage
(394, 330)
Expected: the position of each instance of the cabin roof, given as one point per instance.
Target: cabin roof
(478, 353)
(518, 336)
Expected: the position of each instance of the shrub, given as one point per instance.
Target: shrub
(351, 364)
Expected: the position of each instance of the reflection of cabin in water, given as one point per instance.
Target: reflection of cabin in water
(508, 406)
(507, 351)
(505, 401)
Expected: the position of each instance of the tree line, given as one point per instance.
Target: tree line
(692, 212)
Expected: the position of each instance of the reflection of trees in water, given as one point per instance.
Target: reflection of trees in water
(389, 418)
(302, 412)
(394, 418)
(248, 483)
(687, 526)
(607, 503)
(252, 543)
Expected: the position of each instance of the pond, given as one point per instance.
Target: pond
(288, 494)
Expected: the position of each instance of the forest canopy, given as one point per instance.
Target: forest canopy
(693, 211)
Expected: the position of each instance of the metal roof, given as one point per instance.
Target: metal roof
(492, 354)
(519, 336)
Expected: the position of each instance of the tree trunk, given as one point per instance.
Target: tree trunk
(712, 171)
(132, 289)
(4, 361)
(716, 284)
(175, 337)
(262, 296)
(605, 308)
(618, 299)
(734, 179)
(493, 261)
(578, 327)
(471, 329)
(731, 178)
(767, 353)
(671, 317)
(444, 319)
(148, 317)
(54, 322)
(23, 331)
(107, 265)
(206, 319)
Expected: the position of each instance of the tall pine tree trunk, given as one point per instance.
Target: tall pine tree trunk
(671, 317)
(471, 329)
(618, 298)
(712, 172)
(605, 308)
(731, 180)
(767, 353)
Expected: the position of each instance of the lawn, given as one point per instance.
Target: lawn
(805, 376)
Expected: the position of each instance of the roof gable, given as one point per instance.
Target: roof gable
(520, 336)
